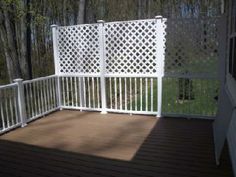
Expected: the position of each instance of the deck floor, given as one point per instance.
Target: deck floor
(74, 143)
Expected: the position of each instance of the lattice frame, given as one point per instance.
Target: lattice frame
(131, 47)
(78, 49)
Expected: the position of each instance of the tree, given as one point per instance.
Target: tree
(13, 38)
(81, 13)
(25, 32)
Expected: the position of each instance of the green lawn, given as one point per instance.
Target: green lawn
(203, 103)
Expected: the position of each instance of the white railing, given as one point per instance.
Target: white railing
(82, 93)
(132, 95)
(9, 112)
(40, 96)
(24, 101)
(154, 66)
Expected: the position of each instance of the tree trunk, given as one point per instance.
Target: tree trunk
(22, 42)
(9, 44)
(28, 40)
(149, 2)
(64, 12)
(102, 9)
(13, 36)
(139, 9)
(81, 14)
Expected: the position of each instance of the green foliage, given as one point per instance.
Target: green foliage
(65, 12)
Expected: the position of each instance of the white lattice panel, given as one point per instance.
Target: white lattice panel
(191, 46)
(78, 49)
(131, 47)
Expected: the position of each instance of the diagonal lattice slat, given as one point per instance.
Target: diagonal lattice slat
(78, 48)
(130, 47)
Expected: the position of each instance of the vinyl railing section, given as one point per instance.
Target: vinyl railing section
(136, 95)
(24, 101)
(40, 96)
(161, 67)
(82, 93)
(9, 110)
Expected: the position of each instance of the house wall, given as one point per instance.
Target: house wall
(225, 124)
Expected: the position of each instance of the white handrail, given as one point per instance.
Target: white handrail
(8, 86)
(39, 79)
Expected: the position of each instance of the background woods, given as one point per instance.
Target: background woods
(25, 34)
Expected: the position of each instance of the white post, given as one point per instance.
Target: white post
(58, 91)
(55, 48)
(102, 65)
(56, 62)
(160, 59)
(21, 102)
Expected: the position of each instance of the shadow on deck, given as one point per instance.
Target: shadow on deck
(73, 143)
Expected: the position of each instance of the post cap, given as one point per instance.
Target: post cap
(54, 26)
(158, 17)
(100, 21)
(18, 80)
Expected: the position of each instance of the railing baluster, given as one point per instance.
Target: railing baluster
(93, 92)
(120, 89)
(11, 107)
(53, 89)
(31, 99)
(50, 86)
(38, 95)
(27, 100)
(67, 93)
(85, 99)
(7, 108)
(42, 96)
(35, 98)
(71, 92)
(2, 111)
(63, 91)
(141, 94)
(98, 92)
(110, 92)
(151, 94)
(115, 93)
(81, 96)
(89, 94)
(146, 90)
(15, 105)
(45, 94)
(130, 94)
(76, 91)
(125, 94)
(135, 93)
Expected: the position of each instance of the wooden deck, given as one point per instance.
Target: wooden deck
(73, 143)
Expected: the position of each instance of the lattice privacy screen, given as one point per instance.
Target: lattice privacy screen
(191, 46)
(131, 47)
(78, 49)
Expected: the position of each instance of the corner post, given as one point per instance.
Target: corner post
(56, 62)
(160, 61)
(21, 101)
(102, 65)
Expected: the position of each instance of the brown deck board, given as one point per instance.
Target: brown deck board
(73, 143)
